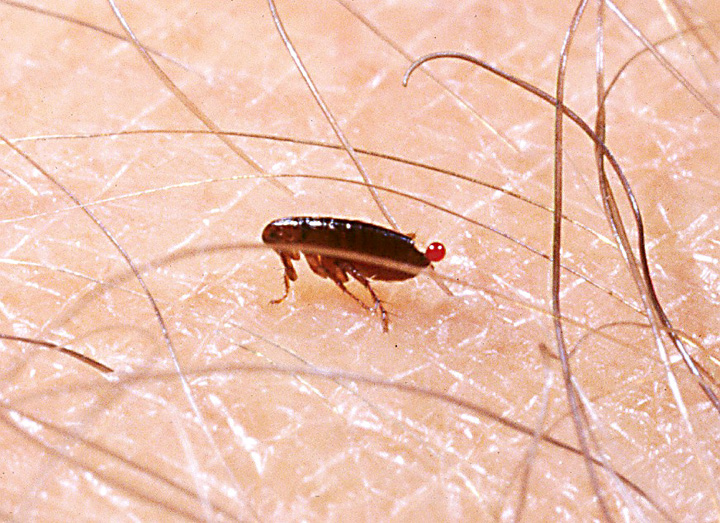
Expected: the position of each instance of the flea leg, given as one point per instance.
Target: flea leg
(360, 302)
(281, 299)
(337, 271)
(290, 274)
(366, 283)
(323, 266)
(330, 268)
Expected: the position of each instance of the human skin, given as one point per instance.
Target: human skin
(271, 445)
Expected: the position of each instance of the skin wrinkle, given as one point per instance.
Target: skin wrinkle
(311, 447)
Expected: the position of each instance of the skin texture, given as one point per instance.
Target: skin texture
(278, 446)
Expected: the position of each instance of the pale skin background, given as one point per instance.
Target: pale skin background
(280, 447)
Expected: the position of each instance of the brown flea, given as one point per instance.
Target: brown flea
(355, 237)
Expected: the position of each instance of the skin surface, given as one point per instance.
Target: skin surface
(286, 446)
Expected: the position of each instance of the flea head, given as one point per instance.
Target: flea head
(280, 231)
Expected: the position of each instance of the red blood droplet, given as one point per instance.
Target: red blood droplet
(435, 252)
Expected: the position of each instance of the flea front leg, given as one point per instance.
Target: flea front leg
(287, 258)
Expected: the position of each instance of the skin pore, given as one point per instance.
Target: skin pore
(232, 441)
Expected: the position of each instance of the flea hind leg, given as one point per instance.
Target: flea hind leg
(330, 268)
(337, 271)
(366, 283)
